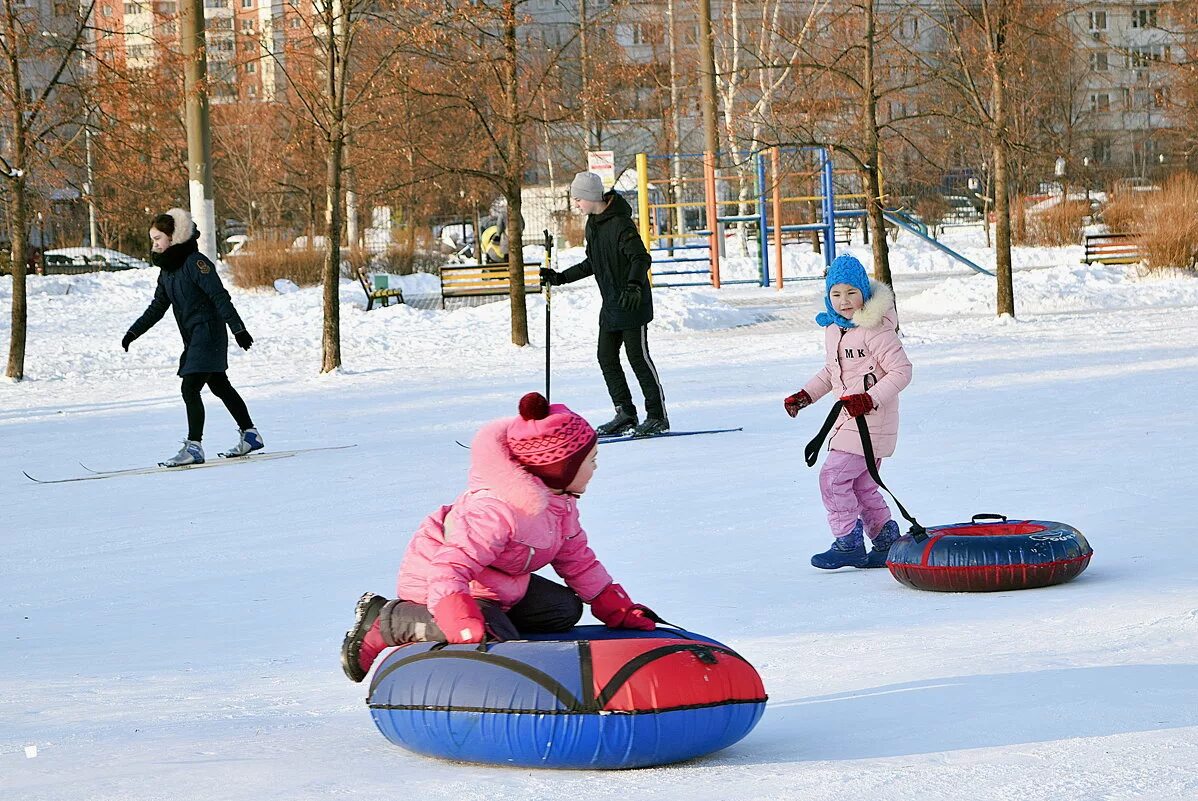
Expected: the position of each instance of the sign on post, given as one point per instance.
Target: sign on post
(603, 164)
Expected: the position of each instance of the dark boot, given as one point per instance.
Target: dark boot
(651, 426)
(623, 423)
(881, 545)
(847, 551)
(363, 642)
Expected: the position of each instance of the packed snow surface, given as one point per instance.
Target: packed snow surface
(175, 636)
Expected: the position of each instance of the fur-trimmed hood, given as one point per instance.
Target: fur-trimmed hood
(878, 308)
(184, 226)
(492, 467)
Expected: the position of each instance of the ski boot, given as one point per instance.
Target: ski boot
(249, 442)
(192, 452)
(651, 426)
(623, 423)
(847, 551)
(881, 545)
(363, 636)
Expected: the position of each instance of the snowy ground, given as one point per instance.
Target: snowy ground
(176, 636)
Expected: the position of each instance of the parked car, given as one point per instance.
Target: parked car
(62, 261)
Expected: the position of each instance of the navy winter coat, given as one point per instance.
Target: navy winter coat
(188, 285)
(616, 256)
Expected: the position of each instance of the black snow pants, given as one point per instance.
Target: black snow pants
(546, 607)
(636, 346)
(221, 388)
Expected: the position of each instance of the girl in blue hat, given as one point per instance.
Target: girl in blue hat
(866, 367)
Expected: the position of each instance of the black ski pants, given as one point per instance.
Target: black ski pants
(221, 388)
(546, 607)
(636, 346)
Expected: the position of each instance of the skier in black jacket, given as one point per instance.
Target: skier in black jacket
(188, 284)
(617, 258)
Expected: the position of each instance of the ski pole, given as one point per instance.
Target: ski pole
(548, 288)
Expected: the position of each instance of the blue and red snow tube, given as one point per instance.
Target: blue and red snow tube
(587, 698)
(985, 556)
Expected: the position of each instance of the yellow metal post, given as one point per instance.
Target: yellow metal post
(713, 214)
(642, 200)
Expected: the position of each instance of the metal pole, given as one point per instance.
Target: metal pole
(763, 222)
(587, 139)
(776, 169)
(548, 298)
(199, 134)
(711, 142)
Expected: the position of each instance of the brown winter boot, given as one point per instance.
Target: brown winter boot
(363, 641)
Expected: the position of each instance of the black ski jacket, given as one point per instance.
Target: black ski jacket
(616, 256)
(188, 285)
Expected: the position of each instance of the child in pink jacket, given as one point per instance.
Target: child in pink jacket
(469, 569)
(866, 367)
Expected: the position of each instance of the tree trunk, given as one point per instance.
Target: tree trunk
(876, 223)
(515, 173)
(1002, 197)
(331, 335)
(20, 315)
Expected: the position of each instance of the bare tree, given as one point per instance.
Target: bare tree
(40, 77)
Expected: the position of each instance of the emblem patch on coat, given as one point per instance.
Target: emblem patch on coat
(204, 266)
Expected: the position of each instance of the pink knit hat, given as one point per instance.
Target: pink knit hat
(551, 442)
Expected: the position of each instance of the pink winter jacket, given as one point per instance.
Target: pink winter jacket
(505, 526)
(866, 358)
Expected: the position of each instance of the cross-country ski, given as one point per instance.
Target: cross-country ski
(95, 475)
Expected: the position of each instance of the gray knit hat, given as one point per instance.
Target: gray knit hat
(587, 186)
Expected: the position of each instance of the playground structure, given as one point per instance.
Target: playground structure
(684, 209)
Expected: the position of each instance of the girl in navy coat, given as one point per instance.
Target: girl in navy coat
(189, 285)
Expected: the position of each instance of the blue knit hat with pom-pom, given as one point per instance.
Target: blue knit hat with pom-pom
(844, 269)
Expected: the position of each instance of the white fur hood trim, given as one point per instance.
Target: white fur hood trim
(184, 227)
(879, 306)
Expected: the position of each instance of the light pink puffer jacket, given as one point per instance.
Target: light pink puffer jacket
(505, 526)
(866, 358)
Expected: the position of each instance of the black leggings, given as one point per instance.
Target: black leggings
(546, 607)
(221, 388)
(636, 346)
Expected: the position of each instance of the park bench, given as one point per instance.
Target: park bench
(377, 289)
(1112, 249)
(480, 280)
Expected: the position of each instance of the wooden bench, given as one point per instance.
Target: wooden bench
(377, 290)
(1112, 249)
(480, 280)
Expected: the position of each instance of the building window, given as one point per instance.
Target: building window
(252, 90)
(1099, 61)
(247, 3)
(252, 67)
(216, 3)
(295, 22)
(1098, 20)
(247, 25)
(106, 11)
(1100, 101)
(132, 8)
(1143, 18)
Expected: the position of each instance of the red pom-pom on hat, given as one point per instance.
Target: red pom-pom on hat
(534, 406)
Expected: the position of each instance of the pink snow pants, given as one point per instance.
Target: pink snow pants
(849, 493)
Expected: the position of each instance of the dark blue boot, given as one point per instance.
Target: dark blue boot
(847, 551)
(881, 545)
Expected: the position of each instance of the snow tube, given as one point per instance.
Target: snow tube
(587, 698)
(990, 553)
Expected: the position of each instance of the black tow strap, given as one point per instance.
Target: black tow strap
(811, 454)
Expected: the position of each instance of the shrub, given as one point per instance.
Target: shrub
(932, 209)
(1059, 224)
(1124, 212)
(263, 265)
(1169, 232)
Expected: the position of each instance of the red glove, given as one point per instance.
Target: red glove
(460, 618)
(617, 611)
(799, 400)
(857, 405)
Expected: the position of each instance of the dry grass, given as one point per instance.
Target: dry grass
(1058, 225)
(265, 264)
(1170, 227)
(1124, 212)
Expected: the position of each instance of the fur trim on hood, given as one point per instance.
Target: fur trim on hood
(184, 226)
(492, 467)
(879, 306)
